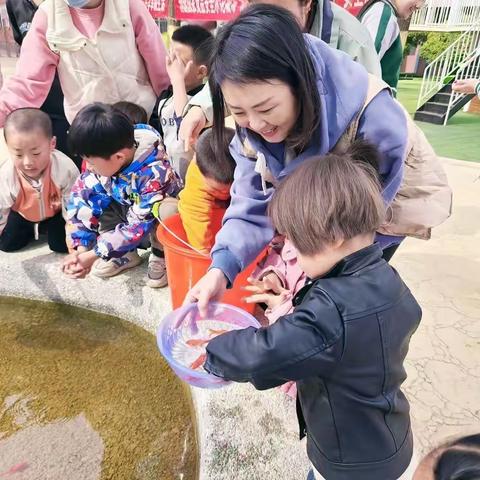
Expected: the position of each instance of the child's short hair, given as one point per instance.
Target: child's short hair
(25, 120)
(100, 130)
(459, 459)
(199, 39)
(216, 167)
(135, 113)
(330, 198)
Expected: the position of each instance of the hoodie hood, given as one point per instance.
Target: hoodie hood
(342, 86)
(148, 142)
(147, 138)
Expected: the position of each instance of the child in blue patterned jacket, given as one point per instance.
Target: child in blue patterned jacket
(110, 209)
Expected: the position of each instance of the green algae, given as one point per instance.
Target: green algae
(67, 361)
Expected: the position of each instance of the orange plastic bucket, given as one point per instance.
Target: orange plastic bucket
(185, 267)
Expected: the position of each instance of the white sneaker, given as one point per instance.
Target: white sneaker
(157, 272)
(109, 268)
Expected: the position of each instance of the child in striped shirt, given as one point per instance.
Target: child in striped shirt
(381, 19)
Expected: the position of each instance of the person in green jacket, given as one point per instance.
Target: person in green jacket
(321, 18)
(381, 19)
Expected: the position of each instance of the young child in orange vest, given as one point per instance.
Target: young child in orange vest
(35, 183)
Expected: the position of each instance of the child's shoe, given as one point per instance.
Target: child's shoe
(114, 266)
(157, 272)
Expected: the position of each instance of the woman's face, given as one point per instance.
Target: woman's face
(298, 8)
(265, 107)
(406, 8)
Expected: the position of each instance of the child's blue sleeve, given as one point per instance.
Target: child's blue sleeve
(88, 201)
(151, 188)
(306, 343)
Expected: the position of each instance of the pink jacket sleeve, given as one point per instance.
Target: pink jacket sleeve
(35, 71)
(150, 45)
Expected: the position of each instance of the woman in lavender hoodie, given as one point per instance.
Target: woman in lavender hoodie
(292, 97)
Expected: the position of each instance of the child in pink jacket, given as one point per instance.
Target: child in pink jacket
(275, 282)
(103, 50)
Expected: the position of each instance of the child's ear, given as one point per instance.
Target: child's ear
(53, 143)
(203, 71)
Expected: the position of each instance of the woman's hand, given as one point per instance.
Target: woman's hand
(192, 124)
(209, 288)
(465, 86)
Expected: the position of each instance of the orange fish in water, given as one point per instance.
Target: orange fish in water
(216, 332)
(200, 342)
(15, 469)
(197, 342)
(199, 361)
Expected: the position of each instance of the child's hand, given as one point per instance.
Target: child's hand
(176, 69)
(78, 264)
(70, 266)
(268, 290)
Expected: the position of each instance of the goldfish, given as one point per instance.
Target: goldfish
(199, 361)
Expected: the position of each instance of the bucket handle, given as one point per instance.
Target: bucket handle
(173, 234)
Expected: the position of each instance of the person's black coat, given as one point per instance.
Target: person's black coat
(344, 345)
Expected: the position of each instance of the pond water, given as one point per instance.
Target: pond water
(87, 396)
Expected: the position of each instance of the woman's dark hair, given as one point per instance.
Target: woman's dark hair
(459, 460)
(100, 130)
(218, 167)
(265, 43)
(135, 113)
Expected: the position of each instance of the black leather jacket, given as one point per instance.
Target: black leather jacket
(344, 345)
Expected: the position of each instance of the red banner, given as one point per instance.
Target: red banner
(353, 6)
(208, 9)
(157, 8)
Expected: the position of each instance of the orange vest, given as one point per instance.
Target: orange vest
(36, 205)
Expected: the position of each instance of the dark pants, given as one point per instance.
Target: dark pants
(18, 233)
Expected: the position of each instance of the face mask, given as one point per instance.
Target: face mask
(77, 3)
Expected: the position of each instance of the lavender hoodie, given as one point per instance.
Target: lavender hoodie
(342, 85)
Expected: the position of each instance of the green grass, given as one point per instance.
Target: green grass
(460, 139)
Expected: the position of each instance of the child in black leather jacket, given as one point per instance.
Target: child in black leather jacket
(347, 338)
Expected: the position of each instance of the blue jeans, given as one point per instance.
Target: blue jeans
(310, 475)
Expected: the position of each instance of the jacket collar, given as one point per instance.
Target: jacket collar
(355, 262)
(346, 267)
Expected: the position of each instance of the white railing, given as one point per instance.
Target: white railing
(447, 64)
(446, 15)
(469, 69)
